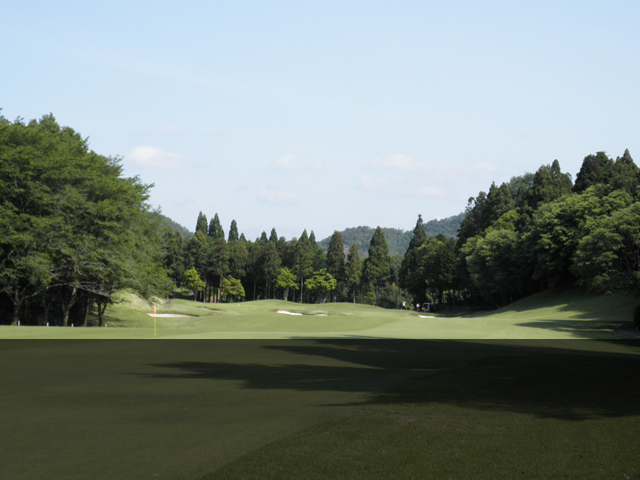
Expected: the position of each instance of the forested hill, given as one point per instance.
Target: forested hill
(176, 227)
(397, 240)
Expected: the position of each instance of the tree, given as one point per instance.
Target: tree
(219, 262)
(233, 232)
(320, 284)
(336, 257)
(626, 174)
(286, 280)
(215, 228)
(494, 264)
(71, 224)
(608, 259)
(173, 258)
(232, 290)
(596, 169)
(317, 254)
(238, 258)
(193, 282)
(411, 270)
(302, 261)
(549, 183)
(199, 253)
(353, 269)
(270, 266)
(201, 224)
(376, 267)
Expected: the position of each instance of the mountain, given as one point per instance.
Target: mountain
(176, 227)
(397, 239)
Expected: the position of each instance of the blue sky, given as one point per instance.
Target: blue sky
(327, 115)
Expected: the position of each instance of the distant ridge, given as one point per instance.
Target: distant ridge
(397, 239)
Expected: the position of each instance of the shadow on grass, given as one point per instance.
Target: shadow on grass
(547, 379)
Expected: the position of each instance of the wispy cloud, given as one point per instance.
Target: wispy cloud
(278, 196)
(152, 157)
(401, 175)
(431, 171)
(292, 163)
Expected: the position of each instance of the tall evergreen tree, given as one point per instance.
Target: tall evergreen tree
(302, 261)
(238, 258)
(317, 254)
(215, 228)
(201, 224)
(336, 258)
(411, 274)
(596, 169)
(233, 232)
(270, 267)
(353, 270)
(376, 269)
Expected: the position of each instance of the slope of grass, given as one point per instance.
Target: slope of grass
(552, 315)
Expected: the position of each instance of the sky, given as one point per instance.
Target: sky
(326, 115)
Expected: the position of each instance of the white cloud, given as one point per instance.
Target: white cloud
(434, 172)
(278, 196)
(399, 187)
(152, 157)
(291, 163)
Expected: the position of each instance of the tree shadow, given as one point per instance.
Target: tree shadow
(547, 379)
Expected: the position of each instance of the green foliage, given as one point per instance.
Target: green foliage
(336, 256)
(286, 280)
(320, 284)
(233, 232)
(201, 224)
(353, 270)
(608, 258)
(72, 229)
(193, 282)
(215, 228)
(232, 290)
(411, 269)
(376, 269)
(595, 170)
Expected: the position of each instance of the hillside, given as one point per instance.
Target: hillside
(397, 239)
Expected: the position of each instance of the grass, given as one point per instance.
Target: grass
(561, 315)
(544, 388)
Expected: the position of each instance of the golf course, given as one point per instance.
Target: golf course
(544, 388)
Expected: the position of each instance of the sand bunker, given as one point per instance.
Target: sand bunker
(425, 316)
(309, 315)
(168, 315)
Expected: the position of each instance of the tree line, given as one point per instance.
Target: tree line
(74, 231)
(217, 267)
(535, 232)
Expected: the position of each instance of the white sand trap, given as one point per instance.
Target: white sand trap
(425, 316)
(168, 315)
(308, 314)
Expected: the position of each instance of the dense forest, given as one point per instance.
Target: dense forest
(74, 232)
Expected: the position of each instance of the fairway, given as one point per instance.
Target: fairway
(544, 389)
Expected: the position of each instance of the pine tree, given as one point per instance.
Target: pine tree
(302, 261)
(411, 271)
(376, 268)
(201, 224)
(215, 228)
(233, 232)
(353, 269)
(336, 257)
